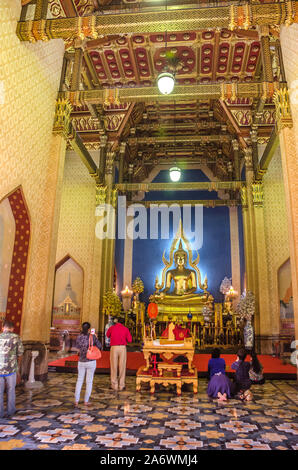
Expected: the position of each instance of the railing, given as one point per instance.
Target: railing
(206, 336)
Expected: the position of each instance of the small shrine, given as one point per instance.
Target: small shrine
(66, 320)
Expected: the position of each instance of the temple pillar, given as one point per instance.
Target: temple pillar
(76, 70)
(251, 242)
(287, 125)
(265, 53)
(235, 254)
(102, 157)
(246, 239)
(108, 203)
(252, 225)
(36, 319)
(235, 145)
(121, 161)
(264, 337)
(37, 315)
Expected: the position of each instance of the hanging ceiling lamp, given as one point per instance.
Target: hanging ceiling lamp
(175, 173)
(166, 79)
(166, 83)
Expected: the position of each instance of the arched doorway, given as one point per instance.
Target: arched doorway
(67, 304)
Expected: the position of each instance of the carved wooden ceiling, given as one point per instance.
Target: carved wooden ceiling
(182, 131)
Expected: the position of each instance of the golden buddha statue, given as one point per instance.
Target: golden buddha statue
(183, 298)
(185, 280)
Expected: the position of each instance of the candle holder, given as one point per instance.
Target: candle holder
(126, 295)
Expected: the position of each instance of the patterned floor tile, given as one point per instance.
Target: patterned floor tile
(46, 419)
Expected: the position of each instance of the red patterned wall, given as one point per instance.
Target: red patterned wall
(19, 259)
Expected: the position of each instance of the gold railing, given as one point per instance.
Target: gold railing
(208, 336)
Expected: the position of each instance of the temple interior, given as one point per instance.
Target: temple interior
(149, 172)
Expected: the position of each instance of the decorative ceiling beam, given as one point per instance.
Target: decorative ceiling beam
(220, 138)
(232, 17)
(64, 127)
(80, 149)
(268, 154)
(196, 186)
(233, 123)
(201, 91)
(154, 126)
(202, 202)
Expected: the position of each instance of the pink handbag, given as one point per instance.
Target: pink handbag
(93, 352)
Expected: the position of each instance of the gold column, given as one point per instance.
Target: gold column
(76, 69)
(287, 130)
(265, 51)
(109, 198)
(121, 161)
(254, 285)
(246, 236)
(254, 143)
(263, 326)
(235, 145)
(112, 200)
(102, 159)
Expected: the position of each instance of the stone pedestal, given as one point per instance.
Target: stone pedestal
(40, 363)
(32, 383)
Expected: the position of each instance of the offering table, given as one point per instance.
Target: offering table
(168, 372)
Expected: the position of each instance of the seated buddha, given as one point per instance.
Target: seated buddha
(184, 279)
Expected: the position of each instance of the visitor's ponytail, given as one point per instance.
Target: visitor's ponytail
(255, 363)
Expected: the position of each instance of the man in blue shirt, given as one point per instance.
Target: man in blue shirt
(11, 351)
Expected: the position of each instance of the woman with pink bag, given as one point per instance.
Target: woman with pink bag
(88, 345)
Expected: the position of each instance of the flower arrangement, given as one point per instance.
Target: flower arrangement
(246, 306)
(138, 286)
(225, 285)
(111, 303)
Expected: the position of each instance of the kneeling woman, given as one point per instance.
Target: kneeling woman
(219, 385)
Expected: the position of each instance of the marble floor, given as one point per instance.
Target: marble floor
(46, 418)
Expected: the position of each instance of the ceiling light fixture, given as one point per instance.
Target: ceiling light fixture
(166, 79)
(175, 174)
(166, 83)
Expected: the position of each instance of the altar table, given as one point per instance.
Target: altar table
(168, 372)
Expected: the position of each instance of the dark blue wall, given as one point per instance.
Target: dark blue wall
(215, 253)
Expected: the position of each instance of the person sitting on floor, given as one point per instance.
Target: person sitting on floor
(256, 370)
(242, 381)
(219, 385)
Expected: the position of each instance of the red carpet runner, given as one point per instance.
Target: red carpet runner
(273, 367)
